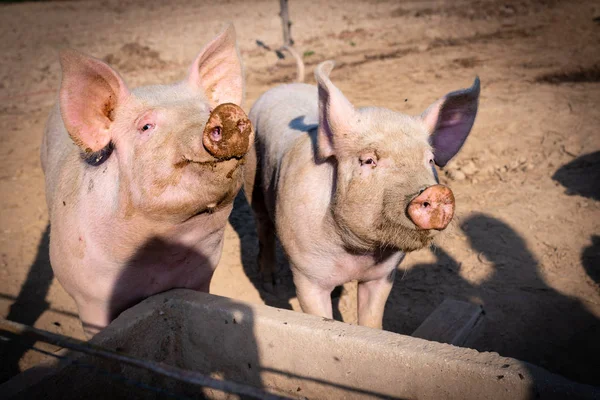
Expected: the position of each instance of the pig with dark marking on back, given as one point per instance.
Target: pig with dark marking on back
(349, 191)
(140, 183)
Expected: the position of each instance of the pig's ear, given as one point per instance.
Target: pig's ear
(336, 113)
(218, 70)
(90, 92)
(449, 121)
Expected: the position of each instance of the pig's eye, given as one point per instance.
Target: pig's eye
(368, 160)
(146, 127)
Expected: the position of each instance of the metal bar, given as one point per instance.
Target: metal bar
(156, 367)
(117, 377)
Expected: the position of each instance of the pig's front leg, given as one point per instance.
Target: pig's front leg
(372, 296)
(313, 299)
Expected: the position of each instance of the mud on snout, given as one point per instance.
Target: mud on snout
(228, 132)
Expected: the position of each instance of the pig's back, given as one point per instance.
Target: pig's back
(283, 114)
(282, 117)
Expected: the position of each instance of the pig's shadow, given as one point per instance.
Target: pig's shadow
(582, 177)
(29, 305)
(242, 220)
(525, 318)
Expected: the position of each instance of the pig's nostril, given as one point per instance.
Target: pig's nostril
(215, 134)
(243, 124)
(426, 204)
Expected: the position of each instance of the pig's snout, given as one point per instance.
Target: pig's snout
(228, 132)
(433, 208)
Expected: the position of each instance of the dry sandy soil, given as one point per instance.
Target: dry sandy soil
(526, 243)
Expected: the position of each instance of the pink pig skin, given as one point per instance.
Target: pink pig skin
(347, 190)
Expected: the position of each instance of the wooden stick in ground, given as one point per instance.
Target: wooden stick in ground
(285, 23)
(288, 41)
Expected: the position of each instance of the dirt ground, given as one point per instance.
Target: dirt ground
(526, 244)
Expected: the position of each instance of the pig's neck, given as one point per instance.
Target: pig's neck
(200, 237)
(202, 234)
(345, 237)
(347, 241)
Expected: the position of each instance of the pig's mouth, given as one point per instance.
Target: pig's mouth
(209, 163)
(190, 161)
(386, 233)
(403, 235)
(212, 163)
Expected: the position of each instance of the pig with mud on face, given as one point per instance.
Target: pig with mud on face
(349, 191)
(140, 183)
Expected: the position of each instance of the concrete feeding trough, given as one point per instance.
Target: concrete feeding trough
(289, 354)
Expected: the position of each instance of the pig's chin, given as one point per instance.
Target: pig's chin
(395, 234)
(388, 236)
(407, 239)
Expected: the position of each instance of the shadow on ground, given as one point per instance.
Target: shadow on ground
(525, 318)
(29, 305)
(582, 177)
